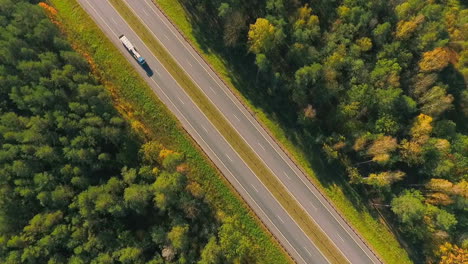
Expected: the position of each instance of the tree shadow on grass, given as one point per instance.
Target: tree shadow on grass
(277, 105)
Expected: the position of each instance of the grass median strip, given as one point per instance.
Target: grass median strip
(250, 158)
(355, 211)
(138, 103)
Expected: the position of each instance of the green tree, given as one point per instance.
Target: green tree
(409, 207)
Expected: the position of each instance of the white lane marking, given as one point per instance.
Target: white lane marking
(219, 109)
(166, 36)
(232, 175)
(101, 18)
(180, 100)
(254, 187)
(156, 71)
(191, 53)
(340, 238)
(308, 252)
(287, 176)
(212, 89)
(146, 13)
(113, 20)
(189, 63)
(261, 146)
(280, 219)
(204, 128)
(315, 208)
(228, 157)
(223, 138)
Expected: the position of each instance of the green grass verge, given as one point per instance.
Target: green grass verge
(131, 93)
(371, 229)
(235, 140)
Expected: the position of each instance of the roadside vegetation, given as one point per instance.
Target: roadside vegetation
(235, 140)
(93, 168)
(378, 91)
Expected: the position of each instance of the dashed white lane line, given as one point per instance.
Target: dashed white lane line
(228, 157)
(340, 238)
(308, 252)
(113, 20)
(146, 13)
(236, 118)
(250, 121)
(261, 146)
(287, 176)
(166, 37)
(95, 11)
(204, 128)
(180, 100)
(254, 187)
(213, 90)
(280, 219)
(190, 64)
(192, 127)
(315, 208)
(156, 71)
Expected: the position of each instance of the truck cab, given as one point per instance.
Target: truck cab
(132, 50)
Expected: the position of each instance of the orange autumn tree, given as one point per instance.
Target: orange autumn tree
(435, 60)
(452, 254)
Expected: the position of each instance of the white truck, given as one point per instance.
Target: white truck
(129, 46)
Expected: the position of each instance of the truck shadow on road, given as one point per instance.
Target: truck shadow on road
(147, 69)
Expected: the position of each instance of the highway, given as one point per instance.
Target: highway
(286, 230)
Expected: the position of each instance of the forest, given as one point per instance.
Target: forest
(77, 184)
(380, 87)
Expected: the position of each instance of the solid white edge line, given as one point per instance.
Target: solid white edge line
(233, 177)
(285, 239)
(212, 124)
(216, 81)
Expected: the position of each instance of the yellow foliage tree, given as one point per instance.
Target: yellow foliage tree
(421, 128)
(435, 60)
(406, 28)
(381, 148)
(411, 152)
(452, 254)
(261, 36)
(364, 44)
(384, 178)
(440, 185)
(439, 199)
(360, 143)
(305, 17)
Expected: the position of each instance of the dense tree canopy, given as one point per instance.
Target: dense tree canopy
(380, 85)
(76, 185)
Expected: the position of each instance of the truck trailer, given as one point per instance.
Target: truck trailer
(129, 46)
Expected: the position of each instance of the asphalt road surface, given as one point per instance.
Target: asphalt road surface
(301, 248)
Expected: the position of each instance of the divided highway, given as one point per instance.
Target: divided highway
(218, 149)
